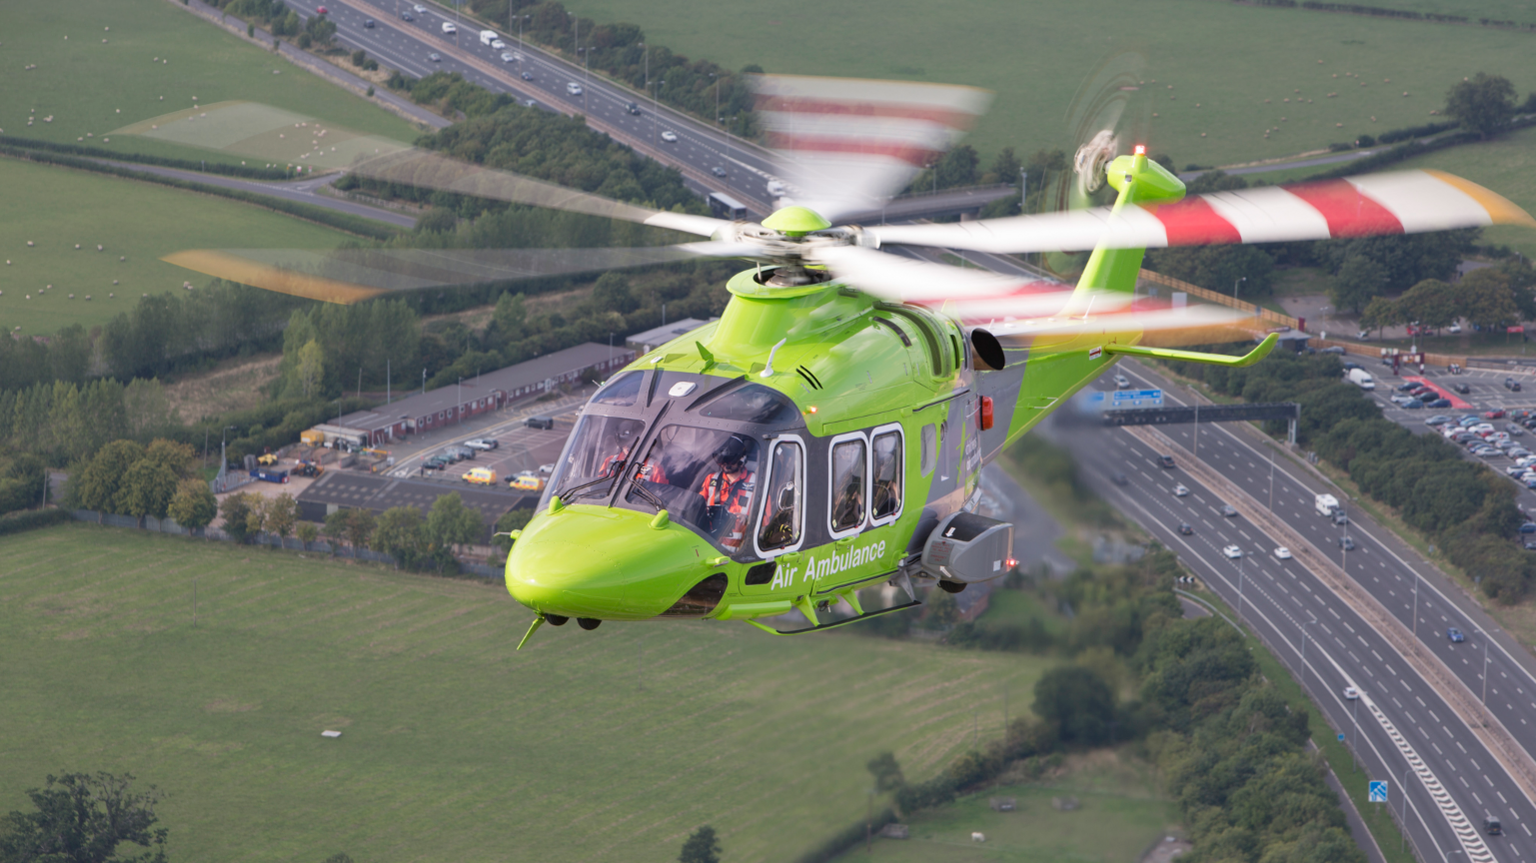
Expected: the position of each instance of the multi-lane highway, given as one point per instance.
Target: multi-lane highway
(1453, 782)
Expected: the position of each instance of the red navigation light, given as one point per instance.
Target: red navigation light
(1141, 149)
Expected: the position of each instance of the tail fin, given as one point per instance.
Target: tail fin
(1139, 180)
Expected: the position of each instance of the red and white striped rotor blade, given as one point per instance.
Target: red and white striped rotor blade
(1404, 202)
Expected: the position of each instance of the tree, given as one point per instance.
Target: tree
(512, 519)
(1431, 303)
(611, 293)
(148, 489)
(1483, 104)
(1359, 279)
(399, 534)
(360, 526)
(958, 167)
(83, 818)
(1486, 299)
(1078, 702)
(194, 505)
(282, 513)
(236, 511)
(308, 532)
(1217, 268)
(701, 847)
(335, 528)
(311, 369)
(943, 610)
(102, 480)
(451, 524)
(1381, 313)
(257, 507)
(886, 771)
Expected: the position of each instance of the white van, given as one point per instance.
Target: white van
(1326, 504)
(449, 28)
(487, 37)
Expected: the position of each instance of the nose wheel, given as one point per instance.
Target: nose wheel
(588, 623)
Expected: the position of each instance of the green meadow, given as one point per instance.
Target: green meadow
(609, 745)
(1214, 64)
(129, 219)
(155, 59)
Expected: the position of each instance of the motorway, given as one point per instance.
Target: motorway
(1290, 607)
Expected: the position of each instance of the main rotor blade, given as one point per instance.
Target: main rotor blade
(350, 275)
(1404, 202)
(285, 138)
(1165, 328)
(904, 280)
(847, 144)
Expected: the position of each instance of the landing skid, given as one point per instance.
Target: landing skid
(845, 621)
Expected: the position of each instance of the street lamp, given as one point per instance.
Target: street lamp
(459, 394)
(716, 79)
(1234, 287)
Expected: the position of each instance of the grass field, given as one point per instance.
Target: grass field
(611, 745)
(1225, 58)
(1119, 817)
(91, 87)
(58, 207)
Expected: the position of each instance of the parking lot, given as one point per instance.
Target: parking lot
(519, 448)
(1487, 392)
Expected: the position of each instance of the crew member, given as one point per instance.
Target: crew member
(727, 493)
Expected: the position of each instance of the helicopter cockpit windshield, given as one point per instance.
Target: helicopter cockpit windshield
(705, 477)
(597, 456)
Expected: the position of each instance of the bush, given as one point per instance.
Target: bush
(358, 57)
(17, 522)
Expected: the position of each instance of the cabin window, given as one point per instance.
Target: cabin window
(930, 449)
(848, 488)
(783, 508)
(885, 475)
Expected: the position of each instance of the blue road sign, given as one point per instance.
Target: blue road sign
(1341, 737)
(1378, 791)
(1138, 399)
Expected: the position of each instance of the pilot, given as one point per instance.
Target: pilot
(617, 461)
(727, 493)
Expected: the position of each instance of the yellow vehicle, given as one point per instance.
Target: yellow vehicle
(312, 437)
(527, 482)
(266, 459)
(480, 476)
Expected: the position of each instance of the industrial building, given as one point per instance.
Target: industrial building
(654, 338)
(487, 392)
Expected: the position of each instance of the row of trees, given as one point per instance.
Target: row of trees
(415, 542)
(1462, 506)
(63, 422)
(1489, 298)
(126, 478)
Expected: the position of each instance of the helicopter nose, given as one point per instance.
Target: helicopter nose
(604, 564)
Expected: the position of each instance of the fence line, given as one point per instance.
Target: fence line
(169, 527)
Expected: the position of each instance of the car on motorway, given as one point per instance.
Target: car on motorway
(1462, 388)
(321, 10)
(1119, 478)
(1185, 529)
(406, 16)
(669, 136)
(1227, 511)
(1495, 414)
(1347, 543)
(480, 476)
(526, 482)
(482, 443)
(369, 24)
(632, 108)
(1340, 517)
(1122, 382)
(573, 88)
(506, 56)
(1232, 552)
(1512, 385)
(1165, 461)
(450, 28)
(1180, 490)
(498, 44)
(527, 76)
(1351, 693)
(1455, 635)
(435, 57)
(419, 9)
(717, 171)
(1283, 553)
(1491, 826)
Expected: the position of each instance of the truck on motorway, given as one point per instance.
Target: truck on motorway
(487, 37)
(1327, 504)
(1362, 379)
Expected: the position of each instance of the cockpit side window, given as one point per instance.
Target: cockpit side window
(706, 478)
(753, 403)
(848, 489)
(622, 391)
(599, 449)
(783, 511)
(885, 476)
